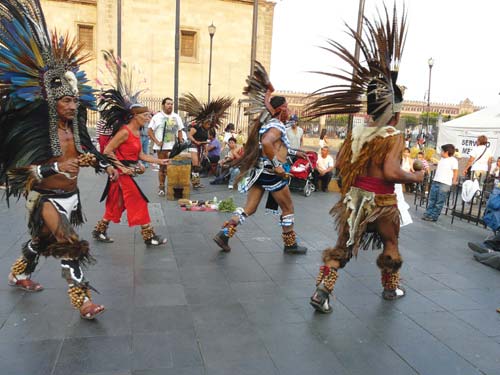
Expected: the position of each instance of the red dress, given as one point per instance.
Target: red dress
(124, 194)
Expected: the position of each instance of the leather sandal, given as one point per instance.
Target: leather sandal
(90, 310)
(27, 285)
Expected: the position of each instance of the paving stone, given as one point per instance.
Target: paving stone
(94, 354)
(32, 357)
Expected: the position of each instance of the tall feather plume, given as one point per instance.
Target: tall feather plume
(118, 96)
(213, 111)
(257, 89)
(373, 76)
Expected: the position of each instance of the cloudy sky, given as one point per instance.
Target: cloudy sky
(462, 36)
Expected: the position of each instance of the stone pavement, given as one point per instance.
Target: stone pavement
(186, 308)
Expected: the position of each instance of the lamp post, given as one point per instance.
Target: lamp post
(119, 40)
(431, 64)
(211, 32)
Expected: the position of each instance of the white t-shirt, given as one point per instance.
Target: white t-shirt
(480, 164)
(444, 170)
(172, 123)
(294, 136)
(324, 163)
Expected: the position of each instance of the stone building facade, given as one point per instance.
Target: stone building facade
(298, 101)
(148, 39)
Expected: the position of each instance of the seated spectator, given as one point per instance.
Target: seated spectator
(212, 151)
(323, 170)
(225, 168)
(213, 147)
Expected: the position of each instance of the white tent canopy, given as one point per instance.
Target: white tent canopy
(463, 131)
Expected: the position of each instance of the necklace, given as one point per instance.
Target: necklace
(66, 128)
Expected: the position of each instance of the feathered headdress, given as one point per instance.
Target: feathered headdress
(213, 111)
(258, 90)
(374, 76)
(37, 66)
(119, 103)
(36, 69)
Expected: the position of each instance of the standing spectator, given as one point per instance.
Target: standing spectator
(480, 160)
(407, 166)
(295, 134)
(164, 127)
(446, 175)
(323, 140)
(145, 143)
(323, 170)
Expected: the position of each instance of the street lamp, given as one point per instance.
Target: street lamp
(431, 64)
(211, 32)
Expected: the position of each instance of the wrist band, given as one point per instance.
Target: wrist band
(276, 163)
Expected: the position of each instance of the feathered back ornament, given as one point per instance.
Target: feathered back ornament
(213, 111)
(37, 66)
(373, 76)
(259, 90)
(118, 102)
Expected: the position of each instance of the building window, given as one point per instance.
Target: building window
(86, 36)
(188, 43)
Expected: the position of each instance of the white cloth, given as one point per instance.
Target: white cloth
(469, 188)
(294, 136)
(406, 164)
(322, 143)
(403, 207)
(172, 123)
(444, 170)
(228, 135)
(480, 163)
(66, 205)
(324, 163)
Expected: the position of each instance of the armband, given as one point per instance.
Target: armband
(47, 170)
(292, 152)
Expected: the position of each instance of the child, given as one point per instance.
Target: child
(446, 175)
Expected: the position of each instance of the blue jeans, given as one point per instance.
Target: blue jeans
(234, 173)
(437, 197)
(145, 148)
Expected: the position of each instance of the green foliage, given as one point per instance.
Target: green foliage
(227, 205)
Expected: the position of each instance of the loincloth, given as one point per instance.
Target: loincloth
(356, 213)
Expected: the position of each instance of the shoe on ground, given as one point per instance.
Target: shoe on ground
(295, 249)
(156, 241)
(230, 187)
(427, 218)
(102, 237)
(320, 300)
(223, 241)
(161, 193)
(478, 248)
(392, 294)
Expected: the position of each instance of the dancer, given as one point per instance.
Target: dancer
(121, 110)
(206, 116)
(265, 153)
(43, 144)
(370, 158)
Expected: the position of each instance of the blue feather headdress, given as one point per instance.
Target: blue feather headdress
(36, 65)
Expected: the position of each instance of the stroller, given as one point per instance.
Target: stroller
(301, 174)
